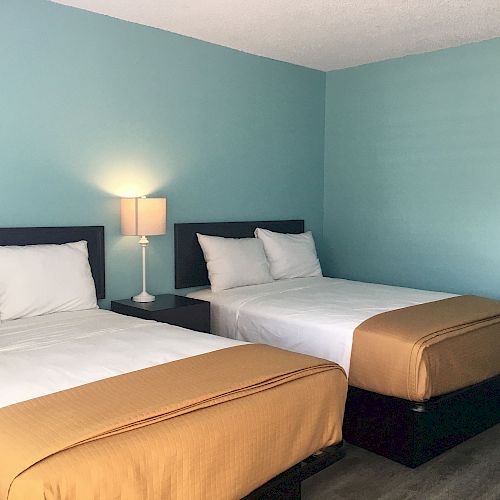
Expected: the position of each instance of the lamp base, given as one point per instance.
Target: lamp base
(144, 297)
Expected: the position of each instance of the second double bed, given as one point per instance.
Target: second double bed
(423, 366)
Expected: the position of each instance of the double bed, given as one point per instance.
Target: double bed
(423, 366)
(96, 404)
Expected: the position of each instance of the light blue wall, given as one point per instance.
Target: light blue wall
(412, 171)
(90, 106)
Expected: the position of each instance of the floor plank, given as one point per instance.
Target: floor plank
(468, 471)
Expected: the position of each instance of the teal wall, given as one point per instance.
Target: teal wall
(403, 182)
(92, 108)
(412, 171)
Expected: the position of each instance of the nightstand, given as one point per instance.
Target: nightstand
(173, 309)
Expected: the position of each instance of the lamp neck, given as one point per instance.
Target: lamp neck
(144, 242)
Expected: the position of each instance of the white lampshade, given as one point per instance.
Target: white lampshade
(144, 216)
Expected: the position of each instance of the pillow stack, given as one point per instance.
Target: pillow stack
(236, 262)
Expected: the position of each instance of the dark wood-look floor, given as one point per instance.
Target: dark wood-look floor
(469, 471)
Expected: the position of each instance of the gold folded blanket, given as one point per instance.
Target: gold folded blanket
(427, 350)
(217, 425)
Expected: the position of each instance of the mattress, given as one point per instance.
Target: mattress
(319, 316)
(50, 353)
(315, 316)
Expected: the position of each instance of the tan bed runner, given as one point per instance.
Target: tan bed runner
(216, 425)
(427, 350)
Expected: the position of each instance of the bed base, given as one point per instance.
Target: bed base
(412, 433)
(286, 486)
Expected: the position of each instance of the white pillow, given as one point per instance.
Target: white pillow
(290, 255)
(42, 279)
(233, 262)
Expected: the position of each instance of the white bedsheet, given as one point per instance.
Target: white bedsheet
(58, 351)
(315, 316)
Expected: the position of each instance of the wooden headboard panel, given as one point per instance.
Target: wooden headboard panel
(93, 235)
(190, 267)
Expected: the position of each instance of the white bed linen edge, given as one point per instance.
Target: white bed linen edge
(315, 316)
(47, 354)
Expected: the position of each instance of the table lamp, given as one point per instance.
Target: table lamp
(143, 217)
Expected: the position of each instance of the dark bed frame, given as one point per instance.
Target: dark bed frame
(285, 486)
(408, 432)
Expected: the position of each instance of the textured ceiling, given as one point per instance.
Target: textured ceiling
(321, 34)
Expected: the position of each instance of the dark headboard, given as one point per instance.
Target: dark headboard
(94, 235)
(190, 267)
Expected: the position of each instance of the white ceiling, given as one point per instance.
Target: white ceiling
(321, 34)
